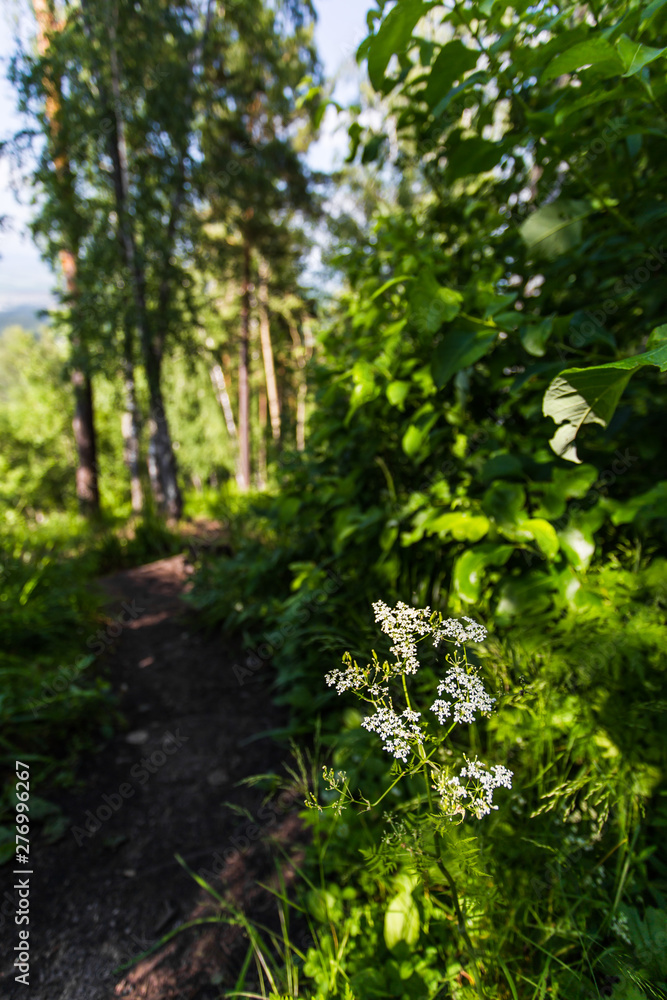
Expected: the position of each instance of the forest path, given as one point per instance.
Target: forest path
(111, 887)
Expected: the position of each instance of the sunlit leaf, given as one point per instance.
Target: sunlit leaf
(581, 396)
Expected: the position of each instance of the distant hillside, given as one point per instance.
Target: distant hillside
(26, 316)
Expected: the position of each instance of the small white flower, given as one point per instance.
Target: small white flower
(397, 732)
(459, 633)
(477, 790)
(468, 694)
(403, 624)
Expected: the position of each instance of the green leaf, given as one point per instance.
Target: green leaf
(417, 433)
(657, 337)
(432, 304)
(412, 440)
(635, 55)
(468, 570)
(504, 502)
(397, 393)
(393, 36)
(534, 337)
(473, 156)
(595, 51)
(453, 60)
(463, 525)
(530, 593)
(556, 229)
(578, 546)
(459, 349)
(544, 534)
(401, 921)
(478, 77)
(649, 13)
(581, 396)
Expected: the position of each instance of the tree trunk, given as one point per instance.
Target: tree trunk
(243, 474)
(83, 423)
(302, 355)
(261, 455)
(222, 395)
(130, 426)
(161, 458)
(162, 470)
(267, 350)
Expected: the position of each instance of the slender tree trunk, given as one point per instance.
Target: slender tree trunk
(161, 458)
(261, 455)
(222, 395)
(267, 350)
(243, 474)
(302, 353)
(83, 425)
(130, 425)
(83, 422)
(162, 469)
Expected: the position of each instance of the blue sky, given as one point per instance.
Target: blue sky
(24, 277)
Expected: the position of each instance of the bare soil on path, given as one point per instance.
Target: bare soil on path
(111, 887)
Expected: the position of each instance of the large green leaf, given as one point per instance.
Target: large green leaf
(459, 349)
(393, 37)
(578, 546)
(581, 396)
(467, 576)
(635, 56)
(595, 51)
(432, 304)
(453, 60)
(535, 336)
(473, 156)
(556, 229)
(463, 525)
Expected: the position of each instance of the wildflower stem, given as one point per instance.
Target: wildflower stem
(452, 887)
(405, 691)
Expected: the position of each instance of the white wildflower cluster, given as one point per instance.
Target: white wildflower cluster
(475, 794)
(356, 678)
(459, 633)
(403, 624)
(397, 732)
(468, 694)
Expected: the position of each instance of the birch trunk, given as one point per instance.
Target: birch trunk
(267, 350)
(222, 395)
(131, 427)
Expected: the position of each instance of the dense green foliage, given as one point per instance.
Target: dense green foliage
(485, 440)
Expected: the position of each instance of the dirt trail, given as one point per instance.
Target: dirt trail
(111, 887)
